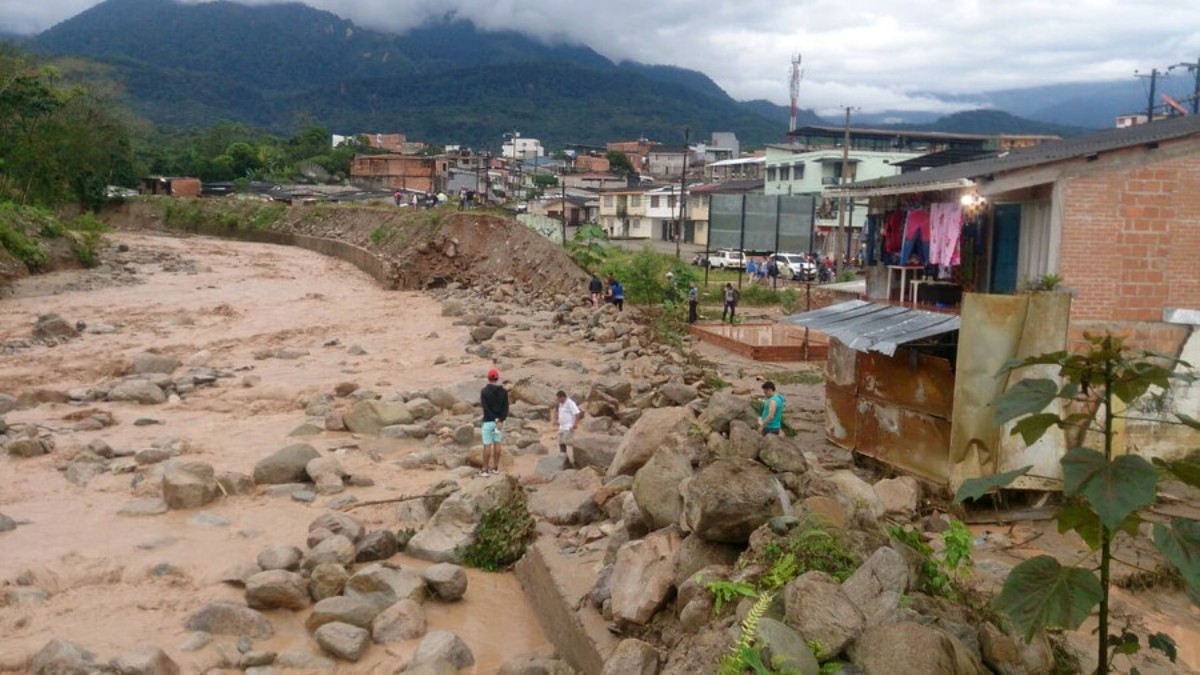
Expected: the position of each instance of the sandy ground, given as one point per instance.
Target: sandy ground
(121, 582)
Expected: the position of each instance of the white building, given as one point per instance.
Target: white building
(522, 148)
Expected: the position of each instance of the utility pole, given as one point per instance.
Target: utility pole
(687, 135)
(837, 235)
(1153, 91)
(563, 205)
(1193, 68)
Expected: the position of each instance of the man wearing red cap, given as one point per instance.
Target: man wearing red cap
(494, 399)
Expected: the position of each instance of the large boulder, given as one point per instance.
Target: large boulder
(785, 649)
(189, 485)
(1011, 655)
(341, 609)
(146, 660)
(899, 496)
(731, 498)
(277, 589)
(598, 450)
(696, 553)
(230, 618)
(782, 454)
(403, 620)
(563, 502)
(656, 486)
(678, 393)
(632, 657)
(53, 327)
(745, 441)
(286, 465)
(856, 493)
(59, 657)
(336, 549)
(723, 408)
(368, 417)
(643, 576)
(448, 582)
(877, 586)
(452, 526)
(446, 646)
(280, 558)
(27, 447)
(338, 523)
(149, 362)
(383, 586)
(646, 435)
(144, 392)
(909, 647)
(343, 641)
(821, 612)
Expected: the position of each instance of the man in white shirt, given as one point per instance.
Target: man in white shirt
(566, 415)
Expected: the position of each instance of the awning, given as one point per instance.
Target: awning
(873, 327)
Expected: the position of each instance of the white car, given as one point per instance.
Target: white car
(798, 267)
(727, 259)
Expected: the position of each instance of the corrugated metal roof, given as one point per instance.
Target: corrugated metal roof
(873, 327)
(1044, 153)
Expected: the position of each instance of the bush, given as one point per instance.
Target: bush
(86, 231)
(502, 535)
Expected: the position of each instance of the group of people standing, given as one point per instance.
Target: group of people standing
(493, 398)
(614, 292)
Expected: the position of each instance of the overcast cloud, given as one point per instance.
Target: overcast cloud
(876, 54)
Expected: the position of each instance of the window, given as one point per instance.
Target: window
(771, 174)
(785, 173)
(671, 202)
(654, 202)
(608, 201)
(635, 201)
(798, 171)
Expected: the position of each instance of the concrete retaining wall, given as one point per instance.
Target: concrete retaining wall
(556, 586)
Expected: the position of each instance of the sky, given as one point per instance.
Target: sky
(876, 55)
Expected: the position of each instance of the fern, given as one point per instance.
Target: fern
(742, 655)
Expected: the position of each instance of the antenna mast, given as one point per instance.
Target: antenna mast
(797, 75)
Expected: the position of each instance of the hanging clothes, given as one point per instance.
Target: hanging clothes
(916, 237)
(872, 227)
(945, 231)
(893, 232)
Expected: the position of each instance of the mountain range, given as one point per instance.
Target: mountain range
(281, 66)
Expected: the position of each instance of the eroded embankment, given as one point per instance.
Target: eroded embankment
(400, 248)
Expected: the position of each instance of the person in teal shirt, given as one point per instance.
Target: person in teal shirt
(771, 418)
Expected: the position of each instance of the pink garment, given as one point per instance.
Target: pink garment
(945, 230)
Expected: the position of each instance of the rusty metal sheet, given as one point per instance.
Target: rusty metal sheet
(840, 415)
(841, 365)
(911, 380)
(991, 329)
(912, 441)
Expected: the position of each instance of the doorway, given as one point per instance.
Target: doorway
(1006, 248)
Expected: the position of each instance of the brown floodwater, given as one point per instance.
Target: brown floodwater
(119, 582)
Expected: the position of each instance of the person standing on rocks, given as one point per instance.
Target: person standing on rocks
(693, 300)
(566, 415)
(771, 418)
(731, 301)
(616, 293)
(596, 288)
(494, 399)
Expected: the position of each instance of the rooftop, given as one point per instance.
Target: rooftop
(739, 161)
(945, 177)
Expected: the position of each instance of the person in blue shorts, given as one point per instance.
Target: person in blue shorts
(494, 399)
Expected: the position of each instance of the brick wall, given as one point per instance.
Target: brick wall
(1131, 239)
(1167, 338)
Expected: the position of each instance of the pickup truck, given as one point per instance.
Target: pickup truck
(727, 259)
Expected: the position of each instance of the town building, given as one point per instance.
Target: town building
(742, 168)
(623, 213)
(519, 147)
(404, 172)
(665, 161)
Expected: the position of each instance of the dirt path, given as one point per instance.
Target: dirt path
(125, 581)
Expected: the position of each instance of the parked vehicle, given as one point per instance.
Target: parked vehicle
(796, 266)
(727, 259)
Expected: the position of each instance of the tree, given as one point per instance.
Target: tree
(545, 180)
(1110, 492)
(618, 163)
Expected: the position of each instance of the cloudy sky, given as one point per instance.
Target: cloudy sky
(876, 54)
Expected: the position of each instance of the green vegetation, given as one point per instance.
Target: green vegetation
(379, 234)
(743, 656)
(813, 545)
(796, 377)
(943, 575)
(618, 163)
(194, 214)
(26, 232)
(1107, 491)
(501, 536)
(725, 592)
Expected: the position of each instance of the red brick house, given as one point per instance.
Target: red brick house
(404, 172)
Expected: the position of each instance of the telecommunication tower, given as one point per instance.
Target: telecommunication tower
(797, 74)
